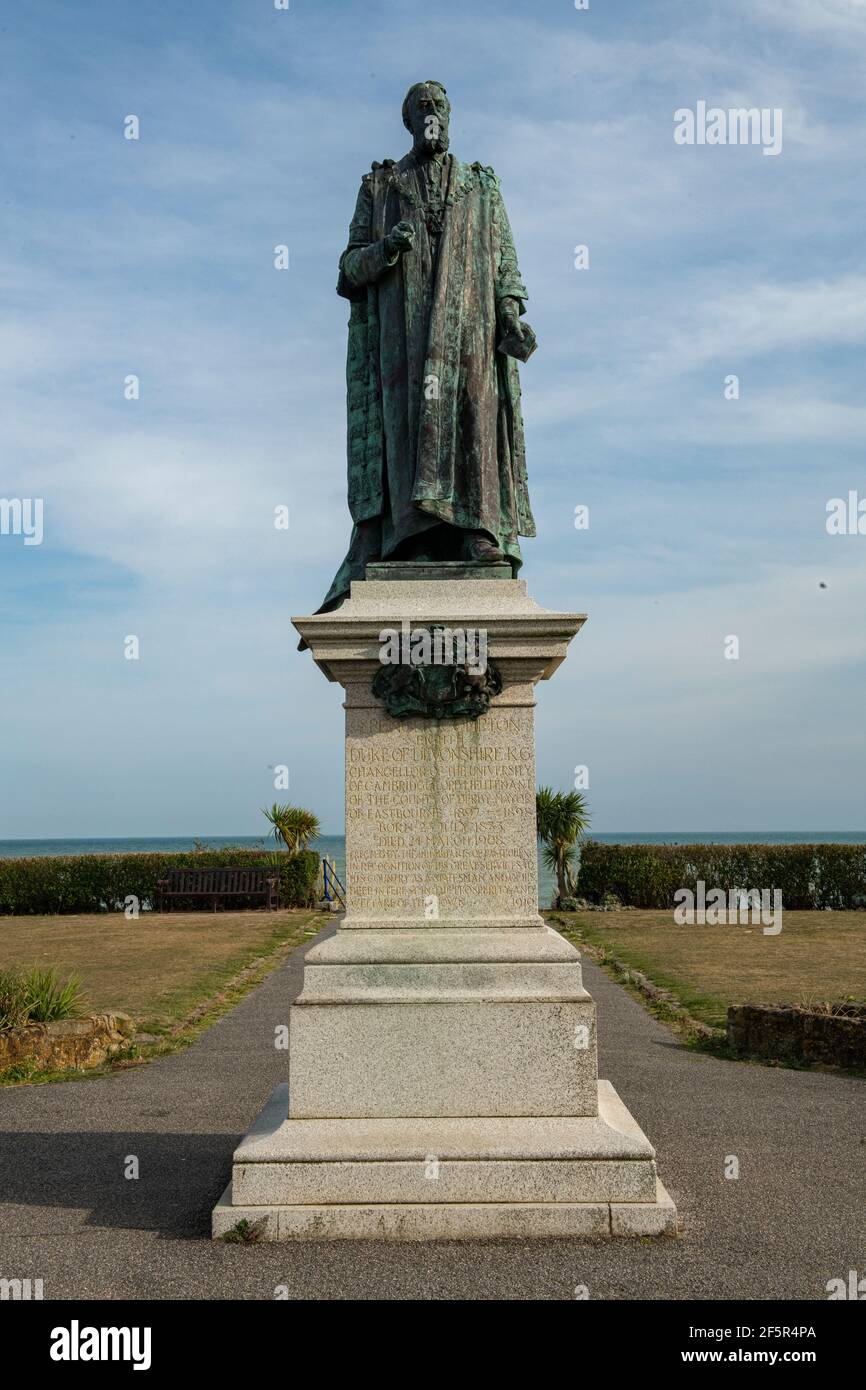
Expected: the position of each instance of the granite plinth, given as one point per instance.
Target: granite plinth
(443, 1069)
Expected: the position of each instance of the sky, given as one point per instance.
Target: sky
(707, 515)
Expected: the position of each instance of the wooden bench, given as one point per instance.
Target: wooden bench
(219, 885)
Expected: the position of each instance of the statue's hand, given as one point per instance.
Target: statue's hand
(509, 314)
(516, 331)
(400, 239)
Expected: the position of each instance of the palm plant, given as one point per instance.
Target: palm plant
(294, 826)
(562, 818)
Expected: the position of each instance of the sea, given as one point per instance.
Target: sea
(334, 846)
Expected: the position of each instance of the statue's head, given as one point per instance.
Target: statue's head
(426, 112)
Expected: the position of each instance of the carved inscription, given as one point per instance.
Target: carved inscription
(440, 818)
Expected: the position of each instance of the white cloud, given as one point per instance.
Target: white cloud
(841, 21)
(764, 318)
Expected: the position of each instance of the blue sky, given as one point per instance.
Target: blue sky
(707, 516)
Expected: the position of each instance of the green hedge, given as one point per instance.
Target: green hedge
(102, 882)
(809, 876)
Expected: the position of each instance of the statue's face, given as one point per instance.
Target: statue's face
(429, 117)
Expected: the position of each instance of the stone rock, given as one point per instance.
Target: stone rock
(74, 1042)
(786, 1034)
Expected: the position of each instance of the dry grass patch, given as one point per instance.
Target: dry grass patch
(818, 956)
(159, 968)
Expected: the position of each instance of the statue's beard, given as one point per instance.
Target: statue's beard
(425, 147)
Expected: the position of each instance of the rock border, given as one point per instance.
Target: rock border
(799, 1036)
(66, 1044)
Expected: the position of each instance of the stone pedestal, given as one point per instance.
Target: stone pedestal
(443, 1075)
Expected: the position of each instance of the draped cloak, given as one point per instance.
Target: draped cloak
(435, 432)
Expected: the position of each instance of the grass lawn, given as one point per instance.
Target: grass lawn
(817, 956)
(157, 969)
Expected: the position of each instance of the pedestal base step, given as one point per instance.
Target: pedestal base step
(445, 1220)
(337, 1179)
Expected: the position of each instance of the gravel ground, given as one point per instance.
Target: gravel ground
(794, 1219)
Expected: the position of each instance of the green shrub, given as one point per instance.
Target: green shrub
(298, 879)
(102, 882)
(809, 876)
(13, 1001)
(36, 997)
(48, 999)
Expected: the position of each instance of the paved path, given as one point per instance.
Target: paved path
(795, 1218)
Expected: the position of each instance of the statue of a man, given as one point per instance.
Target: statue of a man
(437, 469)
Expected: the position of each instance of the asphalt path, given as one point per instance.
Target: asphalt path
(793, 1219)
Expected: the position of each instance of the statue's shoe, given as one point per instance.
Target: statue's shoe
(481, 550)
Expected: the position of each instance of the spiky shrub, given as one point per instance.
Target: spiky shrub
(292, 825)
(48, 999)
(37, 996)
(13, 1001)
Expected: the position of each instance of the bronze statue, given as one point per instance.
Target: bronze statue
(437, 468)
